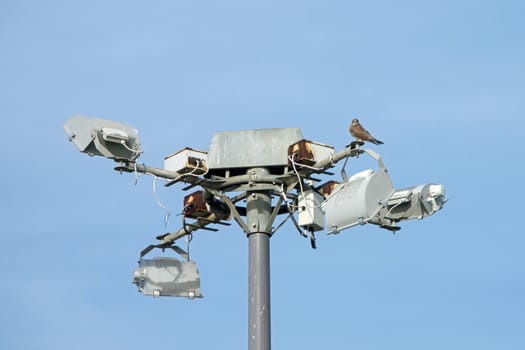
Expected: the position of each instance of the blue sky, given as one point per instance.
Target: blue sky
(441, 83)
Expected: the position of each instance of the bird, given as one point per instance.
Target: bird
(361, 134)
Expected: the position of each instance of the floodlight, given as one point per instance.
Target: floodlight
(106, 138)
(369, 197)
(358, 200)
(163, 276)
(114, 135)
(413, 203)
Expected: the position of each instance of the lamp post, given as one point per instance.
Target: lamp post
(258, 204)
(259, 165)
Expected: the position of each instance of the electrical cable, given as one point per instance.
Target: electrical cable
(137, 175)
(196, 168)
(191, 173)
(155, 177)
(291, 211)
(395, 206)
(309, 167)
(136, 153)
(159, 203)
(290, 157)
(301, 182)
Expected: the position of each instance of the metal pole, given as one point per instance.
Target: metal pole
(258, 214)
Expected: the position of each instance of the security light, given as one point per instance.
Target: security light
(412, 203)
(369, 197)
(358, 200)
(106, 138)
(114, 135)
(164, 276)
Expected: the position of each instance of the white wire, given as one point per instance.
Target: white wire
(137, 175)
(283, 194)
(301, 182)
(290, 210)
(137, 153)
(191, 173)
(394, 207)
(159, 203)
(309, 167)
(196, 168)
(297, 173)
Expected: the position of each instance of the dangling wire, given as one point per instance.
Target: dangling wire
(159, 203)
(300, 181)
(291, 211)
(137, 175)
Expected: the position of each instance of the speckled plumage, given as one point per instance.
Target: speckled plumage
(361, 134)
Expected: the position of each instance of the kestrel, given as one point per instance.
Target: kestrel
(361, 134)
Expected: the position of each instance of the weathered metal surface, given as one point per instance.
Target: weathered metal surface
(251, 148)
(164, 276)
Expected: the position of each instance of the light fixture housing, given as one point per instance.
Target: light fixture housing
(165, 276)
(106, 138)
(370, 197)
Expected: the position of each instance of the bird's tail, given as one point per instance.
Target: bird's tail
(376, 141)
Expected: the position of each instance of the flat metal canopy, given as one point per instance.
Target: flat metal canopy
(251, 148)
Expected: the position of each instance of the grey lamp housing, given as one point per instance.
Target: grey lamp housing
(369, 197)
(106, 138)
(357, 201)
(412, 203)
(164, 276)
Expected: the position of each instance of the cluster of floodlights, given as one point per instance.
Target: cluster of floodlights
(279, 161)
